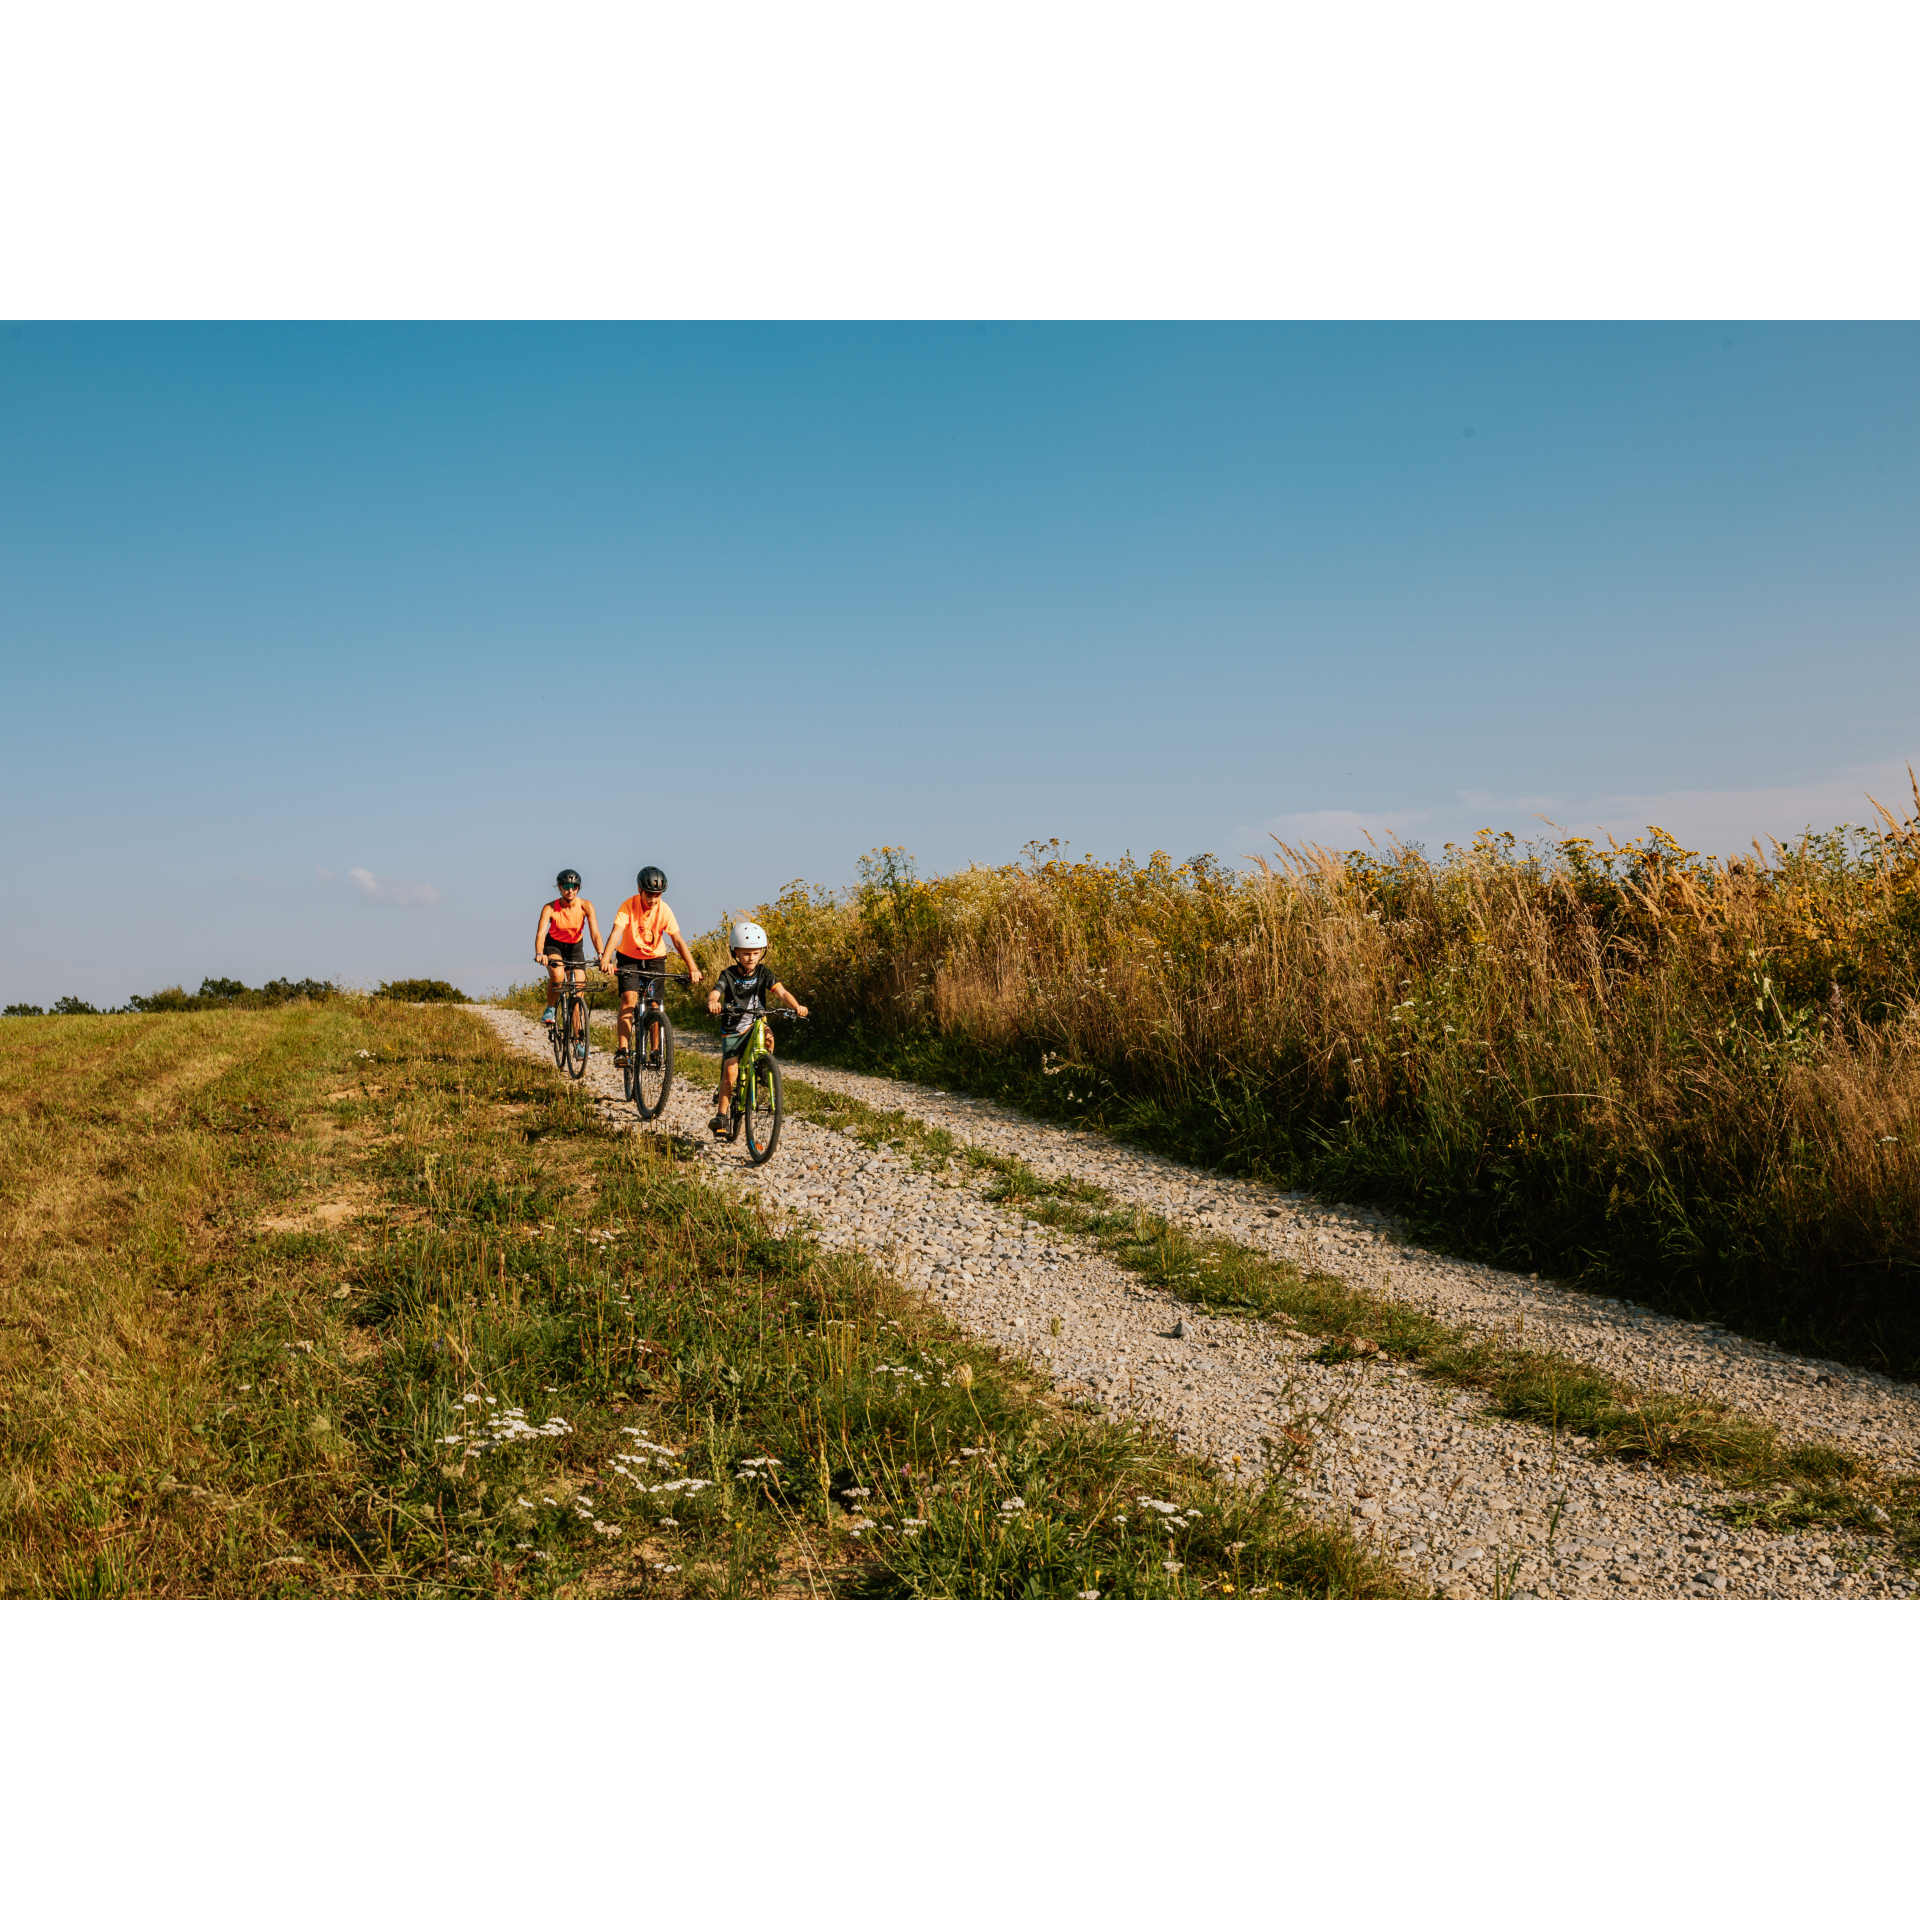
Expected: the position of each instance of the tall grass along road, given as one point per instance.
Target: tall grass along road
(1404, 1397)
(345, 1299)
(1691, 1083)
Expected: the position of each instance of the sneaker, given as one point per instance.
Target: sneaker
(546, 1019)
(721, 1125)
(620, 1058)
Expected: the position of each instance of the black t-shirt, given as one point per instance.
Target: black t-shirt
(742, 995)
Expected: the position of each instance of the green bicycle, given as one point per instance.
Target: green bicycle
(756, 1095)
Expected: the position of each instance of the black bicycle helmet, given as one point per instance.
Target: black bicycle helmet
(566, 877)
(652, 880)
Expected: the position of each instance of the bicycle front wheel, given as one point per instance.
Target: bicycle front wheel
(763, 1110)
(557, 1034)
(578, 1043)
(652, 1061)
(582, 1043)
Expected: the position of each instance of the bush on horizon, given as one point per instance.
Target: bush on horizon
(425, 990)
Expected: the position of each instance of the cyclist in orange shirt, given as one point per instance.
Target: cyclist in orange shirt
(557, 944)
(642, 931)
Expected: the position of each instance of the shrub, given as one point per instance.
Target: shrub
(68, 1004)
(420, 990)
(230, 993)
(21, 1007)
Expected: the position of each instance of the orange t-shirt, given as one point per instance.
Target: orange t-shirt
(565, 922)
(643, 928)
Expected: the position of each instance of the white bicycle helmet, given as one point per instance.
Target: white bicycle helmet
(747, 934)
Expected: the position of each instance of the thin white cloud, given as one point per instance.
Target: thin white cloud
(1713, 820)
(394, 893)
(1334, 827)
(1728, 820)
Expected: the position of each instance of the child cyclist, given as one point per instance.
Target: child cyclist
(557, 941)
(642, 931)
(739, 993)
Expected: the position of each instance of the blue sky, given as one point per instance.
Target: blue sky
(327, 645)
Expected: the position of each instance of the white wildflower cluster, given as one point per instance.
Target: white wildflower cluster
(1170, 1508)
(1015, 1505)
(298, 1346)
(1172, 1566)
(624, 1463)
(502, 1429)
(760, 1468)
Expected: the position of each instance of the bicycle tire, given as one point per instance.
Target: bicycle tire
(577, 1049)
(763, 1110)
(557, 1037)
(652, 1066)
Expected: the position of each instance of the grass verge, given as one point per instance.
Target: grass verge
(1772, 1483)
(345, 1300)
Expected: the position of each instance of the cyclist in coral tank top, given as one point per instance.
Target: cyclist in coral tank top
(643, 930)
(557, 940)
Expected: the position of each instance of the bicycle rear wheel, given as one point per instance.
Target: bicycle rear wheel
(652, 1068)
(763, 1110)
(579, 1042)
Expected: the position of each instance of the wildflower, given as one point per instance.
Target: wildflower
(1159, 1506)
(1172, 1566)
(528, 1504)
(1092, 1593)
(1015, 1505)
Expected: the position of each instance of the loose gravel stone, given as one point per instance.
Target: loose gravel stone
(1472, 1505)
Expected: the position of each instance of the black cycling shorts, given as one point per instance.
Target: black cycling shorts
(643, 976)
(573, 952)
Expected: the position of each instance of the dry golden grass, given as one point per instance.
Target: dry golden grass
(1689, 1079)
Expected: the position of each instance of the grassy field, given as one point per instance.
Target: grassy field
(1695, 1082)
(341, 1300)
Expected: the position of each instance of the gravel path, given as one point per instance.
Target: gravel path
(1475, 1505)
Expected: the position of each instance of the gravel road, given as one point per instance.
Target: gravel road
(1474, 1505)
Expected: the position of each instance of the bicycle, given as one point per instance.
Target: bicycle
(648, 1074)
(572, 1017)
(757, 1102)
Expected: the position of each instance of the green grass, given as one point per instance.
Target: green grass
(368, 1307)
